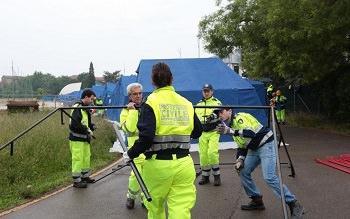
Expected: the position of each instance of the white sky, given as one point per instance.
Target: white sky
(61, 37)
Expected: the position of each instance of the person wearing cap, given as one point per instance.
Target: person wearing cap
(256, 146)
(209, 140)
(166, 124)
(128, 122)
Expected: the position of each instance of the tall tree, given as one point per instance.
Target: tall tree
(91, 78)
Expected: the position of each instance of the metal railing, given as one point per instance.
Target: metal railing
(139, 178)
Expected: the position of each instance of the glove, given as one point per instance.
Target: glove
(90, 132)
(239, 164)
(126, 157)
(224, 129)
(93, 127)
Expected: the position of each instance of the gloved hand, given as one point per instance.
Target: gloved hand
(93, 127)
(126, 157)
(90, 132)
(224, 129)
(239, 164)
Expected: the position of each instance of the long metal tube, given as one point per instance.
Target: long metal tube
(285, 213)
(134, 168)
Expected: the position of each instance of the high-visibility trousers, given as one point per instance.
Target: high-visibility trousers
(170, 182)
(134, 187)
(209, 152)
(80, 159)
(281, 115)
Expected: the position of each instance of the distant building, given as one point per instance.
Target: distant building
(6, 79)
(100, 80)
(234, 60)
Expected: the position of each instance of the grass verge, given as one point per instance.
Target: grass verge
(42, 160)
(314, 121)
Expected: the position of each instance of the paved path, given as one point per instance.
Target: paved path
(322, 190)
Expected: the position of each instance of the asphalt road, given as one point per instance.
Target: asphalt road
(322, 190)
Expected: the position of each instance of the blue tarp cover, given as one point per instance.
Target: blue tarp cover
(119, 96)
(191, 74)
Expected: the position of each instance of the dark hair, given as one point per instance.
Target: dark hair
(87, 93)
(161, 75)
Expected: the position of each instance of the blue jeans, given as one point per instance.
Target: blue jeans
(266, 156)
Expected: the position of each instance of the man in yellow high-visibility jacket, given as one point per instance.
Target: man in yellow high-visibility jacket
(209, 141)
(128, 121)
(80, 133)
(256, 147)
(166, 124)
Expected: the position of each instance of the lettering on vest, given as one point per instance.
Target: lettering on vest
(174, 115)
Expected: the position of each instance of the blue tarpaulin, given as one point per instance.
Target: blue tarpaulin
(100, 91)
(119, 96)
(191, 74)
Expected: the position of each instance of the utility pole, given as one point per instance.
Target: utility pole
(13, 81)
(199, 47)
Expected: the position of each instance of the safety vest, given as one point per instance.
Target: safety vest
(280, 102)
(203, 113)
(99, 102)
(130, 129)
(269, 91)
(270, 88)
(84, 121)
(248, 122)
(174, 119)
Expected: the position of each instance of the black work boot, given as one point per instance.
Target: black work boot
(255, 204)
(130, 203)
(88, 180)
(296, 209)
(204, 180)
(80, 184)
(217, 180)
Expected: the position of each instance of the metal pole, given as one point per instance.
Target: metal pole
(134, 168)
(284, 207)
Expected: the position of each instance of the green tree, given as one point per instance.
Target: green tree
(91, 77)
(288, 40)
(84, 79)
(111, 77)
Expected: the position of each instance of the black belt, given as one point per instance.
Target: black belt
(166, 156)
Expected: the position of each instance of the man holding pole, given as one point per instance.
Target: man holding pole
(255, 146)
(128, 122)
(166, 124)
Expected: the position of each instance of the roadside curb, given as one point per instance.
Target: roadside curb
(54, 193)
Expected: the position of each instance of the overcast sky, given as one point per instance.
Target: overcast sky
(61, 37)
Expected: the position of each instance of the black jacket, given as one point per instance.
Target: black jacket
(77, 127)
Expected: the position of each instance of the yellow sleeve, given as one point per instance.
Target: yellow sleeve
(128, 120)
